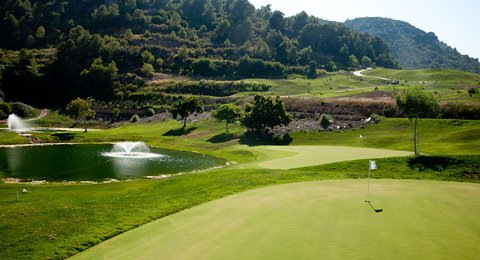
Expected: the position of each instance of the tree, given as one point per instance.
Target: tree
(261, 49)
(331, 67)
(242, 27)
(312, 70)
(147, 57)
(147, 70)
(417, 104)
(228, 113)
(40, 33)
(366, 62)
(221, 31)
(276, 21)
(184, 108)
(241, 32)
(353, 62)
(299, 21)
(81, 109)
(98, 80)
(27, 65)
(105, 15)
(265, 112)
(241, 10)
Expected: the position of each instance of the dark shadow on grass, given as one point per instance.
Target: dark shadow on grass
(374, 209)
(436, 163)
(253, 139)
(64, 136)
(222, 138)
(180, 131)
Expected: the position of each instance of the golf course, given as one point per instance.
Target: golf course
(325, 219)
(239, 129)
(300, 197)
(265, 201)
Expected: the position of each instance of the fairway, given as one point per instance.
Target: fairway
(315, 220)
(303, 156)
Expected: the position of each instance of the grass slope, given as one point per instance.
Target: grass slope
(435, 136)
(316, 155)
(328, 219)
(208, 136)
(58, 220)
(330, 85)
(449, 85)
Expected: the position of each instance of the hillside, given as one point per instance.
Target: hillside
(412, 47)
(98, 48)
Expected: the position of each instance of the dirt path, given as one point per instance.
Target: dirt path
(43, 114)
(358, 73)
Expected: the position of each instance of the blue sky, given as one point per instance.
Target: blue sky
(455, 22)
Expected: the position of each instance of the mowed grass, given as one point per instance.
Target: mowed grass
(7, 137)
(328, 219)
(208, 136)
(448, 85)
(330, 85)
(436, 137)
(304, 156)
(59, 220)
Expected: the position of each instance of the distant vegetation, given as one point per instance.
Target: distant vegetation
(93, 48)
(414, 48)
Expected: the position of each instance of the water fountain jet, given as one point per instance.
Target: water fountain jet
(131, 150)
(16, 124)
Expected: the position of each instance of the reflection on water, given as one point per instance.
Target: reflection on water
(14, 159)
(85, 162)
(124, 167)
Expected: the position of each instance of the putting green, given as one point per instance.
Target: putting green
(302, 156)
(315, 220)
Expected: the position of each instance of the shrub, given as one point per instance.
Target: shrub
(150, 112)
(215, 88)
(134, 118)
(5, 109)
(460, 111)
(326, 120)
(147, 70)
(375, 118)
(472, 91)
(22, 110)
(116, 112)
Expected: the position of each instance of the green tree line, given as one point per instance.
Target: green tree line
(98, 46)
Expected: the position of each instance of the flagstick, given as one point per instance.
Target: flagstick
(368, 192)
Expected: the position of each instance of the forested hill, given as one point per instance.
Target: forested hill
(94, 47)
(413, 47)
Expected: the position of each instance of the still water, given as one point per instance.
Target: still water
(85, 162)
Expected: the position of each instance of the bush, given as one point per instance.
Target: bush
(215, 88)
(147, 70)
(375, 118)
(134, 118)
(150, 112)
(326, 120)
(116, 112)
(5, 109)
(460, 111)
(22, 110)
(472, 91)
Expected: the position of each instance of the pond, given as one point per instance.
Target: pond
(92, 162)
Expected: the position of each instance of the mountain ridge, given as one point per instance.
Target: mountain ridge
(413, 47)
